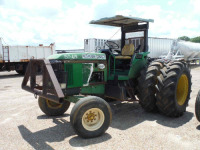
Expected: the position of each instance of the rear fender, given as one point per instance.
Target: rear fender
(138, 62)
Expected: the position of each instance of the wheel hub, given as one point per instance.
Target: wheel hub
(91, 116)
(53, 105)
(93, 119)
(182, 89)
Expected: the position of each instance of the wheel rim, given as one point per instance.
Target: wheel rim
(182, 89)
(53, 105)
(93, 119)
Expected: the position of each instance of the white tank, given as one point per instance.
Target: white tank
(189, 50)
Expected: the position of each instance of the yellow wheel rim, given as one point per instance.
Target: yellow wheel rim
(182, 89)
(53, 105)
(93, 119)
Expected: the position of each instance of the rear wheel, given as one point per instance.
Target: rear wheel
(174, 88)
(197, 107)
(51, 108)
(91, 117)
(146, 86)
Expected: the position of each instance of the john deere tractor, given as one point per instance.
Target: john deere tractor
(122, 72)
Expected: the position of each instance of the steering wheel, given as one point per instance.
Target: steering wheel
(138, 48)
(112, 45)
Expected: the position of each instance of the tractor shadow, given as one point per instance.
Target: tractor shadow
(127, 115)
(39, 139)
(80, 142)
(198, 127)
(57, 133)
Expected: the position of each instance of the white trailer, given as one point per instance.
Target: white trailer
(157, 46)
(17, 57)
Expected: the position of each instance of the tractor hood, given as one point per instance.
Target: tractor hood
(79, 56)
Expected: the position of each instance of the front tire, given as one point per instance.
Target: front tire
(174, 88)
(197, 107)
(91, 117)
(51, 108)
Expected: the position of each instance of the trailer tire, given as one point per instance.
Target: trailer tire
(147, 86)
(197, 107)
(23, 71)
(19, 72)
(51, 108)
(91, 117)
(174, 88)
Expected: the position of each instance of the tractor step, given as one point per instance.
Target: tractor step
(120, 93)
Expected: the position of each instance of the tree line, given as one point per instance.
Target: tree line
(186, 38)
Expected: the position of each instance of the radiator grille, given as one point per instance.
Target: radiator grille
(69, 69)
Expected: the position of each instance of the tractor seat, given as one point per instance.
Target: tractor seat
(127, 52)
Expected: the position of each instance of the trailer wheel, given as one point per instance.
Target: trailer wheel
(23, 71)
(174, 88)
(197, 107)
(147, 86)
(19, 72)
(91, 117)
(51, 108)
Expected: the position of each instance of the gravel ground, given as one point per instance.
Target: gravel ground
(24, 126)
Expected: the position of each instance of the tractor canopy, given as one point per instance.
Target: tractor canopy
(120, 21)
(128, 25)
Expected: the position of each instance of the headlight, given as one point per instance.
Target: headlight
(63, 85)
(101, 66)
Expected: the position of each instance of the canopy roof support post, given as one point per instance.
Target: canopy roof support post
(146, 38)
(123, 34)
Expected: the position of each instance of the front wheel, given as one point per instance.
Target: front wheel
(197, 107)
(91, 117)
(51, 108)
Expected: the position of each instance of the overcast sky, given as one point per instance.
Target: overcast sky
(65, 22)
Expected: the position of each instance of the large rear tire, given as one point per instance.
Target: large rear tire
(51, 108)
(146, 86)
(174, 88)
(91, 117)
(197, 107)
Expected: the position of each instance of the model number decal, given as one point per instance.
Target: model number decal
(92, 56)
(71, 56)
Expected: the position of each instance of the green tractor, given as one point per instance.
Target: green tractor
(122, 72)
